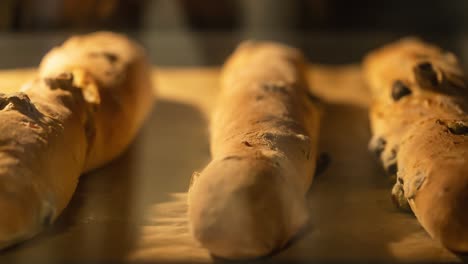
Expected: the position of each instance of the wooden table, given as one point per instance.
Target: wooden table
(134, 209)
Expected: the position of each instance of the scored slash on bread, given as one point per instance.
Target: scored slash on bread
(419, 124)
(85, 106)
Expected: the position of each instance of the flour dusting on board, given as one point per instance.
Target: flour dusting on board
(165, 234)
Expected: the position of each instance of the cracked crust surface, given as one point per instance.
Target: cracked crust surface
(81, 111)
(250, 199)
(419, 125)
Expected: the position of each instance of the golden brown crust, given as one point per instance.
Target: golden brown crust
(113, 63)
(73, 117)
(250, 199)
(420, 127)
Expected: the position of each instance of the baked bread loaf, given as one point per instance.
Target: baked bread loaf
(250, 199)
(85, 106)
(419, 124)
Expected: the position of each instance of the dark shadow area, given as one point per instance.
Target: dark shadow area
(101, 223)
(191, 48)
(463, 257)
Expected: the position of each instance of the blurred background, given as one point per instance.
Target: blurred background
(203, 32)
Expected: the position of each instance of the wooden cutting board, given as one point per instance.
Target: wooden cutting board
(134, 209)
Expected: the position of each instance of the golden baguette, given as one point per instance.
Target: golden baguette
(83, 109)
(250, 199)
(420, 132)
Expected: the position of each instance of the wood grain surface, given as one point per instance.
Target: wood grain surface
(134, 209)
